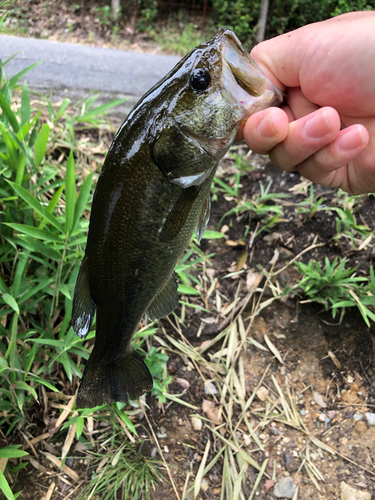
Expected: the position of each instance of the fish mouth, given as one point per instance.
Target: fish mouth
(242, 79)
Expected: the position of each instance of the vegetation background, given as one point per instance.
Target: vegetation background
(50, 158)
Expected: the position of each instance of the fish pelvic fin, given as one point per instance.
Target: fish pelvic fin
(165, 302)
(120, 380)
(83, 306)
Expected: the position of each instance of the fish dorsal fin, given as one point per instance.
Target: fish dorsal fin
(179, 214)
(165, 302)
(83, 306)
(203, 218)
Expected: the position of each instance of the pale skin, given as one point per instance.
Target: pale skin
(326, 130)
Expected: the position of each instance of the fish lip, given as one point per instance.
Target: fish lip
(249, 86)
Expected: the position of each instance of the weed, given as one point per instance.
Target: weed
(337, 288)
(122, 471)
(258, 207)
(310, 206)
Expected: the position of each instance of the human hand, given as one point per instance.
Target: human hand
(328, 69)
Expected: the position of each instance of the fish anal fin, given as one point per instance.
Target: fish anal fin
(123, 379)
(203, 218)
(165, 302)
(179, 214)
(83, 306)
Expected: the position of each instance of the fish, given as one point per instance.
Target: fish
(152, 194)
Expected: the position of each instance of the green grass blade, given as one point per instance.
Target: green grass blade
(99, 110)
(9, 113)
(34, 232)
(13, 81)
(12, 451)
(10, 146)
(41, 144)
(4, 486)
(34, 203)
(11, 301)
(25, 104)
(22, 261)
(82, 199)
(70, 193)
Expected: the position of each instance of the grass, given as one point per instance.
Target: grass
(48, 162)
(50, 158)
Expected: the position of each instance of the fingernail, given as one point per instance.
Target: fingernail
(352, 139)
(317, 127)
(266, 128)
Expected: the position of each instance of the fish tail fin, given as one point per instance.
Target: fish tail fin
(120, 380)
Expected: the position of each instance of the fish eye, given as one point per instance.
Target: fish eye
(200, 79)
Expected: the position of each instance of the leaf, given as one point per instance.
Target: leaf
(212, 411)
(99, 110)
(8, 299)
(26, 387)
(212, 235)
(70, 193)
(4, 486)
(25, 104)
(187, 290)
(12, 451)
(9, 146)
(62, 108)
(82, 199)
(79, 427)
(34, 203)
(9, 113)
(13, 81)
(41, 144)
(34, 232)
(273, 349)
(199, 477)
(127, 421)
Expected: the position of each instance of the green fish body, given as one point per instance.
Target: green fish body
(152, 193)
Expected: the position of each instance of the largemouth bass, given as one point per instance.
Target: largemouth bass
(152, 193)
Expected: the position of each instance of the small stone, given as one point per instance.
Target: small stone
(318, 398)
(322, 417)
(350, 493)
(204, 484)
(344, 441)
(247, 440)
(360, 427)
(357, 416)
(331, 414)
(209, 388)
(370, 418)
(262, 393)
(284, 488)
(196, 423)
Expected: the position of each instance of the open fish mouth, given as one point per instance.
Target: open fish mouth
(242, 78)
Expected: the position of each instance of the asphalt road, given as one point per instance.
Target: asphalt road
(74, 70)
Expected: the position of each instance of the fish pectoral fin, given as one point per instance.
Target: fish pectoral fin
(179, 214)
(165, 302)
(203, 218)
(120, 380)
(83, 306)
